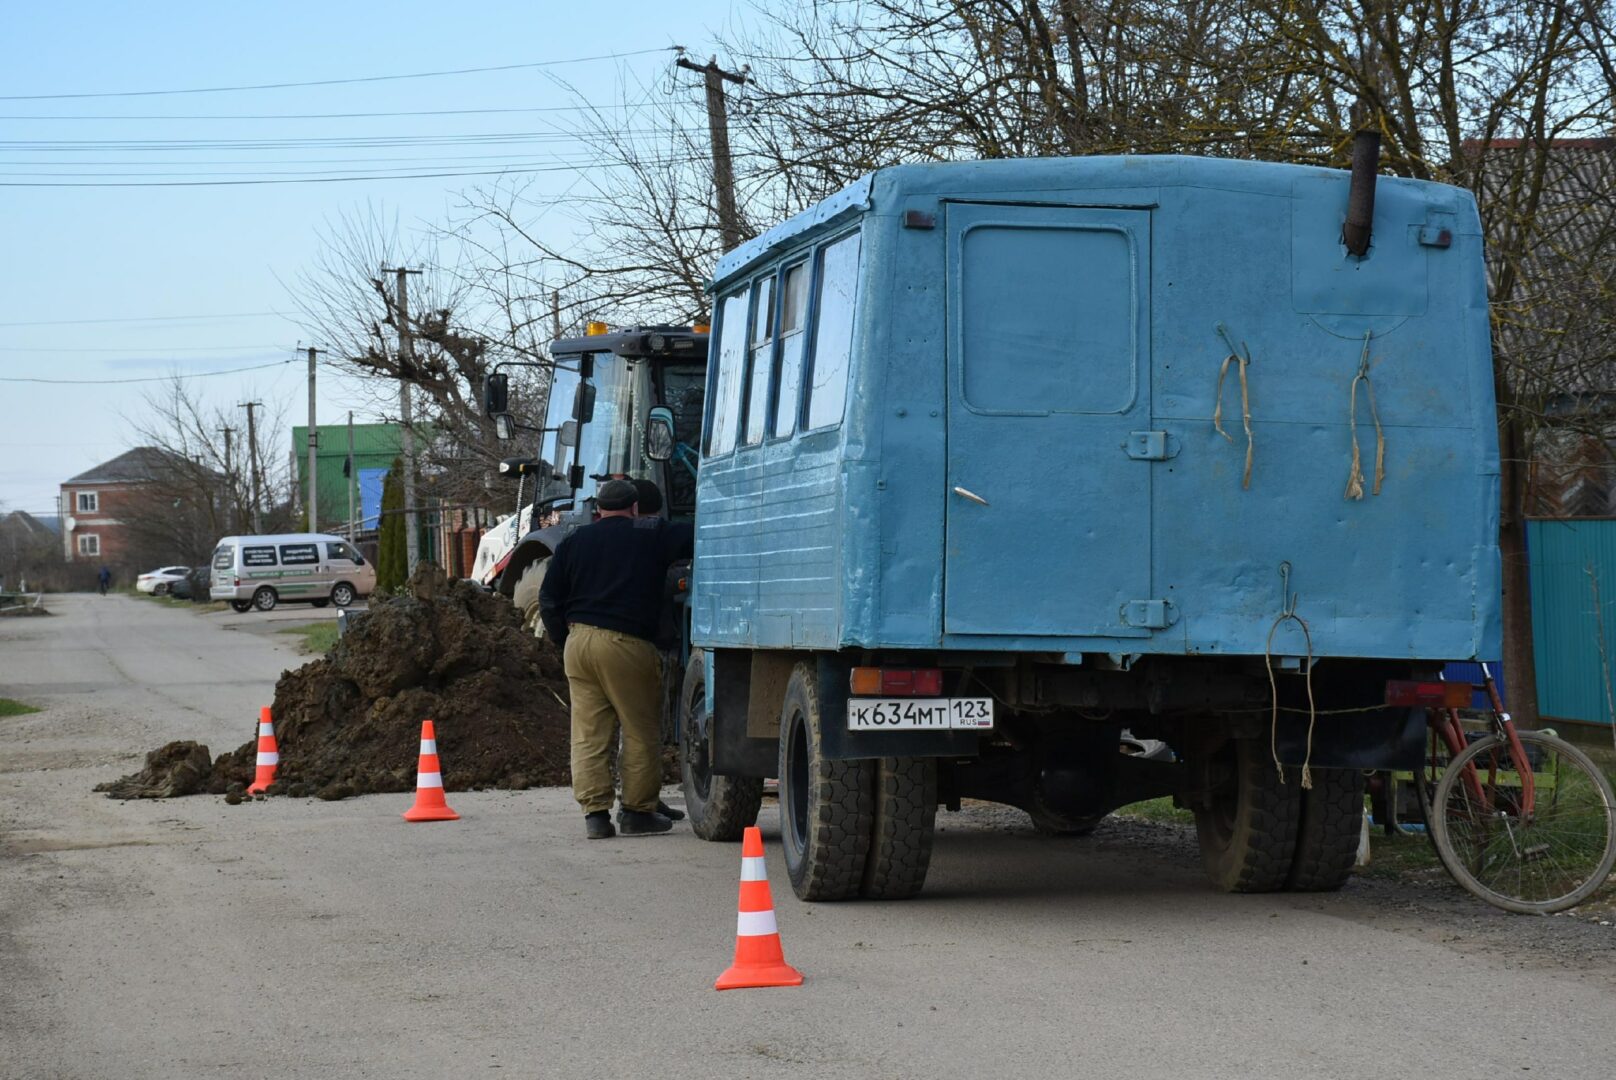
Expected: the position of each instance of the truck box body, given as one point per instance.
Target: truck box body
(1027, 460)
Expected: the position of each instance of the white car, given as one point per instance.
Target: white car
(159, 581)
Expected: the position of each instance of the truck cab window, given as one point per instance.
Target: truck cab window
(833, 332)
(726, 391)
(793, 315)
(762, 353)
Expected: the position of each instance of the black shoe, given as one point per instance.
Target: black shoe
(669, 812)
(598, 826)
(641, 823)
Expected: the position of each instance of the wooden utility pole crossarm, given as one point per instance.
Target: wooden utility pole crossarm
(729, 218)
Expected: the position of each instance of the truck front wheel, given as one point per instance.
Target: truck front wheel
(1247, 822)
(826, 807)
(720, 807)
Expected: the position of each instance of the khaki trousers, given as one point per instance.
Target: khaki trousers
(615, 679)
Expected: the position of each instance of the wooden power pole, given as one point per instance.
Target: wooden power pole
(406, 363)
(252, 450)
(729, 218)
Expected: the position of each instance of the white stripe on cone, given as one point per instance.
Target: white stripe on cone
(266, 729)
(268, 757)
(429, 746)
(430, 779)
(753, 868)
(755, 923)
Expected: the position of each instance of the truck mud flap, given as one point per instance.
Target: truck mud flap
(1381, 739)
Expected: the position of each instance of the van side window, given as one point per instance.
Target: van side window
(727, 381)
(833, 332)
(793, 315)
(299, 554)
(257, 556)
(762, 352)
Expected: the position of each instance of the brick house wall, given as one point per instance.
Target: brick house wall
(109, 542)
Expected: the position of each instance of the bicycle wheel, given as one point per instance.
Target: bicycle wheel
(1549, 860)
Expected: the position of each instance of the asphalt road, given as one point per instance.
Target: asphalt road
(295, 938)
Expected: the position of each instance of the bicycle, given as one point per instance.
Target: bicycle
(1521, 819)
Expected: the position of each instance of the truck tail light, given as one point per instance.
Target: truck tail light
(1404, 694)
(896, 682)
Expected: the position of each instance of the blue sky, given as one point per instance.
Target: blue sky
(76, 257)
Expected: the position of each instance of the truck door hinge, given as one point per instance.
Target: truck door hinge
(1151, 445)
(1148, 614)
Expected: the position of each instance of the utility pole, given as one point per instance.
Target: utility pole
(729, 219)
(350, 472)
(230, 479)
(252, 448)
(314, 456)
(406, 363)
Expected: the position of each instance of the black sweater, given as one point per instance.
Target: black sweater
(610, 575)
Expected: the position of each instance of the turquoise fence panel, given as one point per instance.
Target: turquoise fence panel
(1568, 558)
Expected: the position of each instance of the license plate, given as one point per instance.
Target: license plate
(919, 714)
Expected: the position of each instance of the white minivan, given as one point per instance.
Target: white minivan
(262, 571)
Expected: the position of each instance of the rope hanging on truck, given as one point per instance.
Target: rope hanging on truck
(1355, 477)
(1287, 613)
(1242, 362)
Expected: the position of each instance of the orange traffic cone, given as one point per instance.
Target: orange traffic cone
(269, 754)
(429, 803)
(759, 960)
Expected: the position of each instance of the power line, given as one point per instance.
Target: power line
(315, 116)
(327, 179)
(135, 349)
(332, 82)
(148, 318)
(155, 378)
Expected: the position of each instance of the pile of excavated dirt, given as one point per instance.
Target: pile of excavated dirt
(350, 722)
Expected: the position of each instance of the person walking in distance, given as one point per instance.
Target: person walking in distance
(105, 578)
(600, 603)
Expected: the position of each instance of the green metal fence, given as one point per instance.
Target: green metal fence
(1572, 561)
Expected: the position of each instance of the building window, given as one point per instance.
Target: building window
(89, 543)
(89, 502)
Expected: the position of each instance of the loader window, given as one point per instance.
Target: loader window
(762, 351)
(833, 332)
(793, 314)
(731, 331)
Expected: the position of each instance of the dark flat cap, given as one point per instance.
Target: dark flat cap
(617, 495)
(650, 499)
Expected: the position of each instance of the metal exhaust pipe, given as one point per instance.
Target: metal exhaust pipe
(1361, 195)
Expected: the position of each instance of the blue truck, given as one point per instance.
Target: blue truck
(1006, 466)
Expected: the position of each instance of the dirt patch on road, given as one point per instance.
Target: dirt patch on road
(348, 723)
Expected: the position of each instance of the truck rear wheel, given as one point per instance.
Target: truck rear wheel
(905, 820)
(720, 807)
(825, 806)
(1248, 832)
(1327, 837)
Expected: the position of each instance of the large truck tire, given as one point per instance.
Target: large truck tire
(1328, 835)
(826, 807)
(720, 807)
(904, 822)
(1248, 834)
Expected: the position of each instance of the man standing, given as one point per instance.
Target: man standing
(600, 603)
(105, 578)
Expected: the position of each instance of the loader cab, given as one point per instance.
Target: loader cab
(622, 403)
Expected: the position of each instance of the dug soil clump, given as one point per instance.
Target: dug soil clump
(349, 723)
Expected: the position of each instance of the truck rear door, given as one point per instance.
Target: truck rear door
(1049, 447)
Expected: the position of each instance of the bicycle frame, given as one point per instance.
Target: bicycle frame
(1445, 724)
